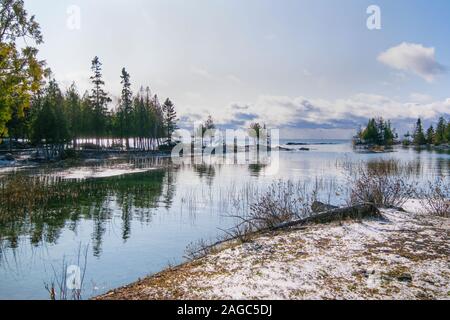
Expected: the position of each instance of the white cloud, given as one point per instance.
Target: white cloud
(420, 97)
(415, 58)
(301, 112)
(308, 118)
(302, 133)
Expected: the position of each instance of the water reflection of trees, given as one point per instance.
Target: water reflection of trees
(430, 163)
(443, 167)
(206, 172)
(49, 205)
(255, 169)
(169, 185)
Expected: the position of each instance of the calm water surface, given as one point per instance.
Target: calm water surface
(137, 217)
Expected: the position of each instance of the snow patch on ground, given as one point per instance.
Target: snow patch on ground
(414, 206)
(100, 172)
(405, 256)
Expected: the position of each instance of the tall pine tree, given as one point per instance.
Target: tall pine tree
(419, 138)
(126, 108)
(440, 135)
(170, 119)
(74, 114)
(430, 135)
(99, 100)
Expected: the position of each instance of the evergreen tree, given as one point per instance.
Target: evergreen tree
(208, 127)
(370, 134)
(126, 108)
(87, 125)
(50, 126)
(19, 125)
(152, 119)
(170, 119)
(440, 135)
(430, 135)
(379, 132)
(389, 134)
(448, 132)
(74, 113)
(99, 100)
(159, 124)
(381, 128)
(140, 119)
(419, 137)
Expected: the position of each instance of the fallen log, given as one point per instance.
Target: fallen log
(362, 211)
(318, 207)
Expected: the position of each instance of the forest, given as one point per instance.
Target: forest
(35, 112)
(380, 132)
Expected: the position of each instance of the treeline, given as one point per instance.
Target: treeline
(34, 110)
(57, 120)
(434, 135)
(377, 132)
(380, 132)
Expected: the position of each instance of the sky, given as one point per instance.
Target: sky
(311, 68)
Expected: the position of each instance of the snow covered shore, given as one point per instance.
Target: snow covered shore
(407, 256)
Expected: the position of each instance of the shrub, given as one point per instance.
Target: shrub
(383, 183)
(283, 201)
(435, 198)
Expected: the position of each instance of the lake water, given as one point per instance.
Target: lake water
(136, 217)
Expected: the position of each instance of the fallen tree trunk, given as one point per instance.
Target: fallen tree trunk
(355, 212)
(318, 207)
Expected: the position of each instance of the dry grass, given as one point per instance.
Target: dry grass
(435, 197)
(283, 201)
(384, 183)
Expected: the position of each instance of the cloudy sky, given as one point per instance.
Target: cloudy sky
(309, 67)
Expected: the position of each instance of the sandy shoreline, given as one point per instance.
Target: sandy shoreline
(405, 257)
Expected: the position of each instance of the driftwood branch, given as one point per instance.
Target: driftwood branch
(318, 207)
(361, 211)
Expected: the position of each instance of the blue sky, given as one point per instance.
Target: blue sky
(298, 65)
